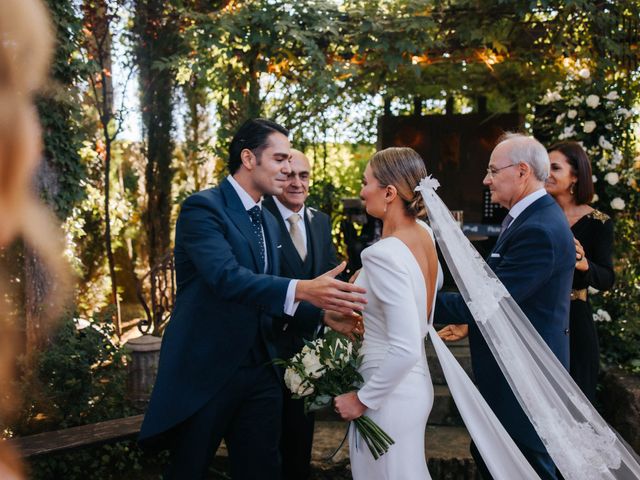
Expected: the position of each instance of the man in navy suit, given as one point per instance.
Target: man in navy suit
(534, 258)
(307, 251)
(215, 377)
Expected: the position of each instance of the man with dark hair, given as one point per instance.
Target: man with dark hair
(215, 377)
(307, 251)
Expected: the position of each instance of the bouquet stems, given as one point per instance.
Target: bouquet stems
(376, 439)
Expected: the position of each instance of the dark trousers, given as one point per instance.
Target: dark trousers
(541, 462)
(297, 439)
(247, 414)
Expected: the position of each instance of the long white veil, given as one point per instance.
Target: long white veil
(582, 445)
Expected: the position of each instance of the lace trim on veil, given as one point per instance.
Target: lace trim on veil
(582, 445)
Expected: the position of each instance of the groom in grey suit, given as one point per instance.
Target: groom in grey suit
(307, 251)
(534, 258)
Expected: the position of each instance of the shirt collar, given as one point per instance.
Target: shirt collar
(286, 212)
(521, 206)
(247, 202)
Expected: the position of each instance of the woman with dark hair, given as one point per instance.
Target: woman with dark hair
(570, 183)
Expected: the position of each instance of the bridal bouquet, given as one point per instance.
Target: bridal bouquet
(328, 367)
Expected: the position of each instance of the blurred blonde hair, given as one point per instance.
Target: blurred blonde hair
(403, 168)
(26, 46)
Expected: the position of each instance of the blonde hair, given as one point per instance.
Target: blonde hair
(403, 168)
(26, 45)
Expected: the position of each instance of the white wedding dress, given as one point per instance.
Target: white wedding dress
(397, 385)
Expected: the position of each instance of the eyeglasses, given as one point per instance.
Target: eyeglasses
(492, 171)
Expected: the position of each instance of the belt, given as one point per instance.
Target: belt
(579, 295)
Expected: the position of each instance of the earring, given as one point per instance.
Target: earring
(571, 190)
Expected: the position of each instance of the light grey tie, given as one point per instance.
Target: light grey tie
(505, 224)
(296, 236)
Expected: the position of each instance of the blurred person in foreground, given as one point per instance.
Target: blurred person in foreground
(26, 44)
(570, 183)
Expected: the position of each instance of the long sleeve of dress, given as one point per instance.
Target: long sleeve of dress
(598, 251)
(390, 283)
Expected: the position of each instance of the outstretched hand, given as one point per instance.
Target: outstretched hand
(330, 294)
(453, 333)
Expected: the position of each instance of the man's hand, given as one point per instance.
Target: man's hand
(330, 294)
(348, 325)
(453, 333)
(355, 276)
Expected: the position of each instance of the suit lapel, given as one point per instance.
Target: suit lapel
(241, 220)
(538, 204)
(273, 241)
(314, 234)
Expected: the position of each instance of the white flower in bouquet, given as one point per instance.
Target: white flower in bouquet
(584, 73)
(595, 197)
(612, 95)
(324, 369)
(612, 178)
(604, 143)
(592, 291)
(312, 366)
(589, 126)
(296, 384)
(617, 204)
(571, 114)
(592, 101)
(594, 179)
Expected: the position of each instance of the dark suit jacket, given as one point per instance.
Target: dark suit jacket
(321, 253)
(222, 305)
(534, 259)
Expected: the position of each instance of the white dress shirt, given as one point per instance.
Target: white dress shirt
(290, 305)
(522, 205)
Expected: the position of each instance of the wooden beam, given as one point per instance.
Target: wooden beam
(76, 437)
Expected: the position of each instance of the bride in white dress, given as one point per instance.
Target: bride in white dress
(401, 274)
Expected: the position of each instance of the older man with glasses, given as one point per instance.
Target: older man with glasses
(534, 258)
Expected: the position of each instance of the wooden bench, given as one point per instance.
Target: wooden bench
(58, 441)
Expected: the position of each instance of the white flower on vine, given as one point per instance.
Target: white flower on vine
(617, 204)
(623, 112)
(584, 73)
(560, 118)
(567, 133)
(575, 101)
(551, 97)
(595, 198)
(592, 101)
(601, 316)
(612, 95)
(604, 143)
(571, 114)
(594, 179)
(589, 126)
(616, 158)
(612, 178)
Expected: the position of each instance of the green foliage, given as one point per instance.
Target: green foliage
(595, 103)
(79, 379)
(60, 114)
